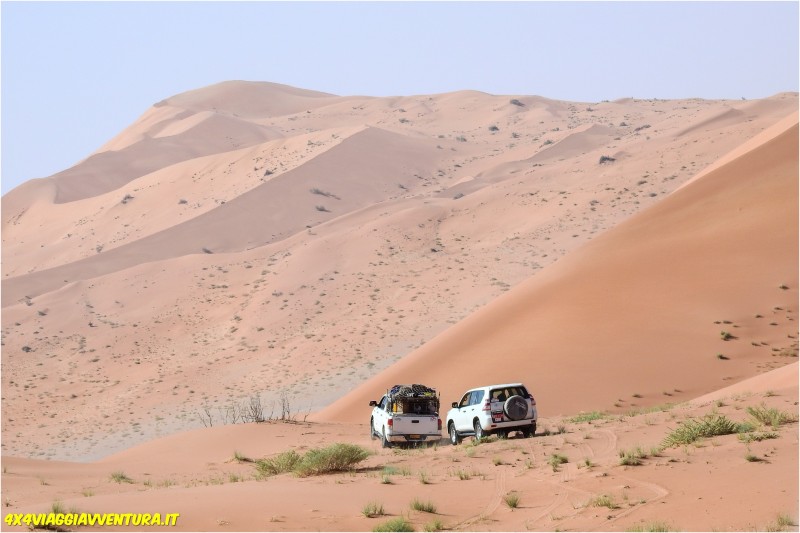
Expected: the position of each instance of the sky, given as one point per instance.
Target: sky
(75, 74)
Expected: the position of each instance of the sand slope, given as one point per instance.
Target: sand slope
(641, 308)
(345, 232)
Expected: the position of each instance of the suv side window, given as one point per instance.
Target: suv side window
(465, 400)
(382, 405)
(477, 397)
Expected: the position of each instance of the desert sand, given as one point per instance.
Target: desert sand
(633, 258)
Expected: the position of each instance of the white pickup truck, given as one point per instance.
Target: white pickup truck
(406, 414)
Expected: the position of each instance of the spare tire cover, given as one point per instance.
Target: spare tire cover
(516, 408)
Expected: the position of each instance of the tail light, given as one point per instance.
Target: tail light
(487, 405)
(440, 424)
(390, 423)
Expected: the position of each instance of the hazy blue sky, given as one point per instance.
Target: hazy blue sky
(75, 74)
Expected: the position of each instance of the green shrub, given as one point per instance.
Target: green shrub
(512, 500)
(373, 509)
(586, 417)
(284, 462)
(556, 460)
(425, 507)
(395, 524)
(769, 416)
(656, 526)
(335, 458)
(604, 501)
(694, 429)
(120, 477)
(436, 525)
(632, 457)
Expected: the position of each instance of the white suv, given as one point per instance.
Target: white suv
(492, 409)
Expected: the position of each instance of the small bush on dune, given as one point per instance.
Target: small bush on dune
(769, 416)
(695, 429)
(586, 417)
(425, 507)
(512, 500)
(556, 460)
(373, 509)
(395, 524)
(651, 526)
(284, 462)
(334, 458)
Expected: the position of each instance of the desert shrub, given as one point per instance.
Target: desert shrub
(334, 458)
(120, 477)
(604, 501)
(436, 525)
(694, 429)
(606, 159)
(425, 507)
(556, 460)
(373, 509)
(516, 102)
(656, 526)
(284, 462)
(632, 457)
(769, 416)
(747, 438)
(586, 417)
(395, 524)
(512, 500)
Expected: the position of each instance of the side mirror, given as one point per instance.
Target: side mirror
(373, 403)
(455, 405)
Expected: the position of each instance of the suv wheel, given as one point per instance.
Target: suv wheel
(384, 441)
(479, 432)
(371, 430)
(454, 438)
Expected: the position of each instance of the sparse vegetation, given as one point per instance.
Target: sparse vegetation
(395, 524)
(516, 102)
(606, 159)
(603, 501)
(240, 458)
(692, 430)
(632, 457)
(334, 458)
(373, 509)
(435, 525)
(512, 500)
(424, 507)
(557, 460)
(283, 462)
(586, 417)
(782, 523)
(120, 477)
(769, 416)
(656, 526)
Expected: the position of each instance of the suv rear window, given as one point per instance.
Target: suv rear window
(504, 393)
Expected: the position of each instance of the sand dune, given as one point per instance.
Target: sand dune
(639, 309)
(195, 474)
(118, 328)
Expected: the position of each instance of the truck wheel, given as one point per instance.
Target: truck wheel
(384, 441)
(516, 408)
(479, 432)
(454, 438)
(371, 430)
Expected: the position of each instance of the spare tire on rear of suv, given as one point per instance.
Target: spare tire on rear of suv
(516, 408)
